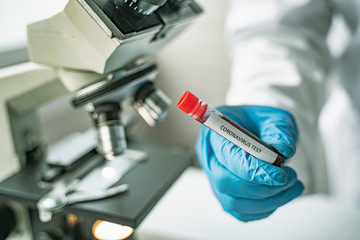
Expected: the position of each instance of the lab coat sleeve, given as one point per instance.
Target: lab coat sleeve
(280, 58)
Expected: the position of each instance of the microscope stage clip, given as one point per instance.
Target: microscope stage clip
(57, 199)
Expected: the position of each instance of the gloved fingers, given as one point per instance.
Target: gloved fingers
(230, 184)
(247, 187)
(244, 165)
(279, 131)
(274, 126)
(249, 217)
(258, 206)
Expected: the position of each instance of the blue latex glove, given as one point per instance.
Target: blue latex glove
(248, 188)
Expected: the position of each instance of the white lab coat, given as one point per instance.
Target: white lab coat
(304, 56)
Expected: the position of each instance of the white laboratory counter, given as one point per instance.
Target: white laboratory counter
(189, 211)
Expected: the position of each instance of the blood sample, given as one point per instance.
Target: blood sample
(219, 123)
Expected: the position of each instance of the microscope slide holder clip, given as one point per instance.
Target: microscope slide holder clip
(62, 195)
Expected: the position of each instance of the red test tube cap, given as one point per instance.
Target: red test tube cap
(187, 102)
(192, 105)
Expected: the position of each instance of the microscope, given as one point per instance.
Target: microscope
(99, 52)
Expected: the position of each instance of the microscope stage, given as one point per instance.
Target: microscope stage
(148, 181)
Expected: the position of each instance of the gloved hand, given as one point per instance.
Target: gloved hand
(248, 188)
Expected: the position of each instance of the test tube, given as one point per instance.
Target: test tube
(219, 123)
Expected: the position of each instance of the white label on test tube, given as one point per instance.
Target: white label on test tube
(240, 139)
